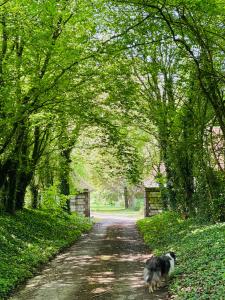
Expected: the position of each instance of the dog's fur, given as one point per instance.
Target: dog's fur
(157, 269)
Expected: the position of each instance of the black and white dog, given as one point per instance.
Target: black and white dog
(157, 269)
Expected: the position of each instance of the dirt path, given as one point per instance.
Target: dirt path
(105, 264)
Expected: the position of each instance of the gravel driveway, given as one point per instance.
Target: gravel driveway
(105, 264)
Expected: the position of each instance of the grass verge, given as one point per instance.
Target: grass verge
(31, 238)
(200, 248)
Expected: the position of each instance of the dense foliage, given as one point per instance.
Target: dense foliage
(116, 89)
(128, 74)
(177, 51)
(31, 238)
(200, 254)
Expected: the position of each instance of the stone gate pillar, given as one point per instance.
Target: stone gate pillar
(152, 200)
(81, 203)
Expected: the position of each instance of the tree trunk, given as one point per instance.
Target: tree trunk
(24, 171)
(27, 165)
(131, 200)
(169, 197)
(34, 195)
(188, 186)
(126, 200)
(23, 180)
(64, 176)
(10, 188)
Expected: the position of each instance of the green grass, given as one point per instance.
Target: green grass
(113, 210)
(200, 249)
(106, 208)
(31, 238)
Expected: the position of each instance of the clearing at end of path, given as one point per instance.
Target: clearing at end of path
(105, 264)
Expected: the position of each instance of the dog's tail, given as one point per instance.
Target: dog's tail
(148, 275)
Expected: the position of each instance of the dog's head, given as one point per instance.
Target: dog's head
(171, 255)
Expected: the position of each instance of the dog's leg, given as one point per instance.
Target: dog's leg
(150, 288)
(166, 281)
(158, 284)
(155, 285)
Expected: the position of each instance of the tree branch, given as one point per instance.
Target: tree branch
(3, 3)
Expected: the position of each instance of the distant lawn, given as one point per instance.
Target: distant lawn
(115, 210)
(31, 238)
(106, 208)
(200, 249)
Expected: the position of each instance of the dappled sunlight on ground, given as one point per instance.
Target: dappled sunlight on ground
(106, 264)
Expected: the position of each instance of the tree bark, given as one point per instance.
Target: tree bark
(126, 200)
(34, 195)
(10, 188)
(23, 180)
(64, 176)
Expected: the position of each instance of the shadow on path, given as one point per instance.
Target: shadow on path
(105, 264)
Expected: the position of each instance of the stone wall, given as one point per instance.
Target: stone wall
(153, 203)
(81, 203)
